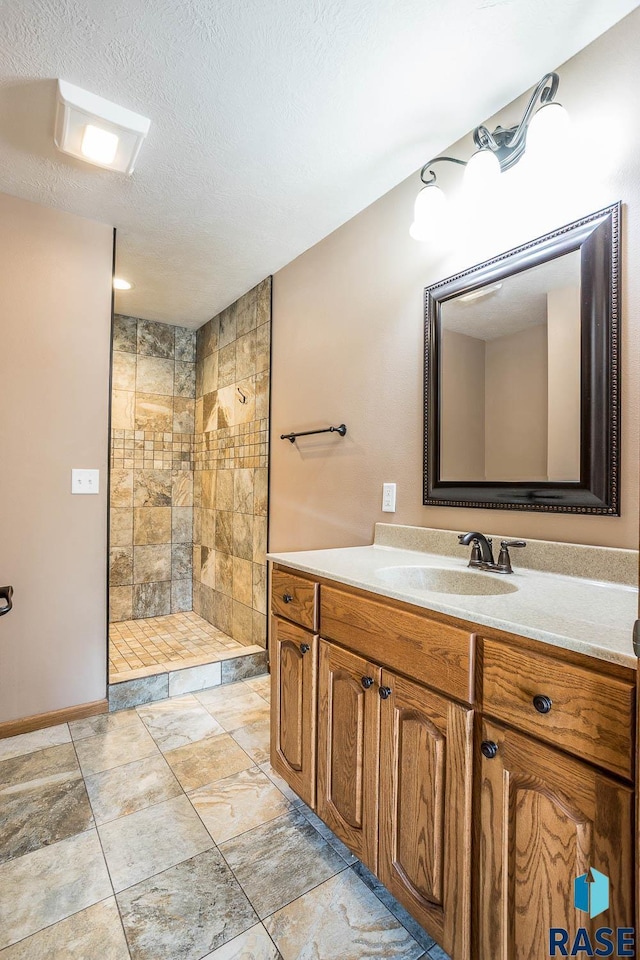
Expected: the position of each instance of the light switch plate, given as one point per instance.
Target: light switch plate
(85, 481)
(388, 498)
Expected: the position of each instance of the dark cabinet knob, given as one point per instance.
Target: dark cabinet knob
(385, 693)
(542, 703)
(287, 597)
(489, 749)
(367, 682)
(304, 648)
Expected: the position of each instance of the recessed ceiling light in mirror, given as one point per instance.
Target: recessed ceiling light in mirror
(120, 284)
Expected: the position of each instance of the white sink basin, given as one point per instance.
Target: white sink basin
(444, 580)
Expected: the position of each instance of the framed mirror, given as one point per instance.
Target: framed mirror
(521, 401)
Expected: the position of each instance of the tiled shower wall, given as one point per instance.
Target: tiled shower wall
(151, 517)
(231, 457)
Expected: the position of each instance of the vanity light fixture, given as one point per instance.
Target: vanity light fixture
(543, 125)
(98, 131)
(120, 284)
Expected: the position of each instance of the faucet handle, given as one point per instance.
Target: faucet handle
(505, 544)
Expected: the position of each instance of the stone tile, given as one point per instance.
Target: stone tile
(208, 567)
(152, 525)
(50, 884)
(182, 488)
(260, 685)
(243, 536)
(184, 380)
(224, 532)
(259, 595)
(227, 406)
(153, 412)
(121, 488)
(260, 492)
(219, 697)
(152, 599)
(243, 581)
(120, 527)
(259, 628)
(152, 488)
(210, 373)
(182, 524)
(263, 347)
(240, 668)
(436, 953)
(152, 563)
(245, 412)
(181, 561)
(226, 365)
(93, 932)
(259, 539)
(246, 355)
(120, 603)
(174, 723)
(133, 786)
(243, 707)
(279, 861)
(120, 566)
(224, 573)
(262, 388)
(325, 832)
(183, 415)
(208, 527)
(390, 902)
(208, 480)
(122, 409)
(194, 678)
(129, 693)
(47, 767)
(185, 344)
(238, 803)
(155, 375)
(207, 760)
(124, 371)
(186, 912)
(103, 723)
(210, 411)
(340, 920)
(181, 596)
(243, 486)
(144, 843)
(199, 415)
(281, 784)
(207, 338)
(255, 944)
(224, 490)
(125, 331)
(227, 332)
(155, 339)
(263, 300)
(26, 743)
(35, 815)
(254, 739)
(242, 623)
(115, 747)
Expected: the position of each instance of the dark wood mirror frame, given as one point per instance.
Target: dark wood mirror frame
(597, 237)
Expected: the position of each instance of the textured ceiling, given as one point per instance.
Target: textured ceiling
(273, 121)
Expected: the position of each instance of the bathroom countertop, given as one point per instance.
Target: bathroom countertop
(593, 617)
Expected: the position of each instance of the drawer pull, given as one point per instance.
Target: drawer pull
(489, 749)
(304, 648)
(385, 693)
(367, 682)
(287, 597)
(542, 703)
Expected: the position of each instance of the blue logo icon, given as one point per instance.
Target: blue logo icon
(591, 892)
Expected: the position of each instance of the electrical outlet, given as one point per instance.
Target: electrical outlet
(388, 498)
(85, 481)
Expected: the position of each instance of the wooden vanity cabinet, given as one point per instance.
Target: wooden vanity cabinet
(544, 819)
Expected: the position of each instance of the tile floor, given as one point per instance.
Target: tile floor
(141, 648)
(162, 833)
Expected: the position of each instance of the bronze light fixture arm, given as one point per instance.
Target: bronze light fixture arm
(432, 176)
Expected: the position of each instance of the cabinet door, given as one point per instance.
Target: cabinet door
(293, 657)
(348, 749)
(545, 819)
(425, 808)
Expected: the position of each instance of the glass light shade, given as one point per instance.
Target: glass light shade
(548, 130)
(482, 171)
(120, 284)
(99, 145)
(428, 213)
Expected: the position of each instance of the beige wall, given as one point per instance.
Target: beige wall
(563, 335)
(516, 405)
(347, 326)
(462, 437)
(55, 316)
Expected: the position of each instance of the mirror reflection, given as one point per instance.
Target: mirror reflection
(510, 377)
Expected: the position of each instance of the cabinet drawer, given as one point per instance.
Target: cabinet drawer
(586, 713)
(426, 650)
(294, 598)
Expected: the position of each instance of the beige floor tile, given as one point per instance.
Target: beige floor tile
(95, 932)
(131, 787)
(238, 803)
(260, 685)
(207, 761)
(255, 944)
(30, 742)
(115, 747)
(254, 738)
(176, 722)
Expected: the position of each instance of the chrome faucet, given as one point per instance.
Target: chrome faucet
(482, 552)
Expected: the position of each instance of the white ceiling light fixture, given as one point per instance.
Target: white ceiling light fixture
(120, 284)
(544, 118)
(98, 131)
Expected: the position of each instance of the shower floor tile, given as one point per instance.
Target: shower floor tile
(142, 648)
